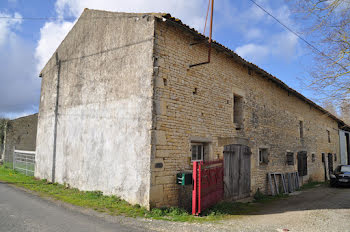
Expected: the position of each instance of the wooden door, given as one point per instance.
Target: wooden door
(302, 163)
(237, 171)
(330, 163)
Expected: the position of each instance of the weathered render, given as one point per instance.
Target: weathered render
(100, 80)
(20, 134)
(121, 109)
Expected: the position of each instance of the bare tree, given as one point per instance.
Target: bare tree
(2, 129)
(328, 22)
(345, 112)
(330, 107)
(3, 123)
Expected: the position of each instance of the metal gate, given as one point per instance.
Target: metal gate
(237, 171)
(24, 161)
(208, 186)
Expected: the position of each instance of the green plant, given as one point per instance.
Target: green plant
(258, 195)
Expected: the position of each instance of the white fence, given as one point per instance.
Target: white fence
(24, 161)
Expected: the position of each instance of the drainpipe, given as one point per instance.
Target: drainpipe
(210, 37)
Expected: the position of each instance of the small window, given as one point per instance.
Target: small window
(237, 109)
(197, 152)
(335, 157)
(290, 158)
(323, 157)
(329, 136)
(263, 156)
(313, 158)
(301, 129)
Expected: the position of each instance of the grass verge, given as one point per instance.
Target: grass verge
(116, 206)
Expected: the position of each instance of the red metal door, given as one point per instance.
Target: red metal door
(208, 185)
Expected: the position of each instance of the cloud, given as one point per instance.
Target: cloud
(188, 11)
(282, 45)
(12, 1)
(20, 90)
(253, 52)
(285, 45)
(52, 33)
(253, 33)
(7, 25)
(264, 38)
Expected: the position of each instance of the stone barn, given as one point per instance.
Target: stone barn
(122, 112)
(20, 133)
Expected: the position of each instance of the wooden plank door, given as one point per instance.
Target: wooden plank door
(302, 163)
(244, 179)
(330, 163)
(236, 171)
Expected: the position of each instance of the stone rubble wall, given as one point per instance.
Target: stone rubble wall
(20, 134)
(196, 104)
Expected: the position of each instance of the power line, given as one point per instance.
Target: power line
(34, 18)
(253, 1)
(289, 29)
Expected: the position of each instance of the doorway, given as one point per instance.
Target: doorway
(302, 163)
(236, 171)
(347, 142)
(330, 163)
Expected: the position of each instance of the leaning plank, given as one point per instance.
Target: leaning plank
(290, 186)
(270, 182)
(283, 183)
(274, 178)
(297, 179)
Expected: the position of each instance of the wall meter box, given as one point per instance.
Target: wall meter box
(184, 178)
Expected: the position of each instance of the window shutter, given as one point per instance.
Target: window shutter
(300, 165)
(305, 164)
(290, 158)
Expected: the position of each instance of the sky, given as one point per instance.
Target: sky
(26, 45)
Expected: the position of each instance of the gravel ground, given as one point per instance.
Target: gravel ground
(317, 209)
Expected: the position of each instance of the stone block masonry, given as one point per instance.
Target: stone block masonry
(197, 105)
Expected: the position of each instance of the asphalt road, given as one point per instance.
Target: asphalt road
(23, 212)
(320, 209)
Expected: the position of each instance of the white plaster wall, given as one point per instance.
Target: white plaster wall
(343, 151)
(105, 107)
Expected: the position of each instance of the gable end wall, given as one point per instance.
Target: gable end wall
(105, 107)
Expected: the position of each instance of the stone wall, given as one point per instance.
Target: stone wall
(104, 119)
(196, 105)
(20, 134)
